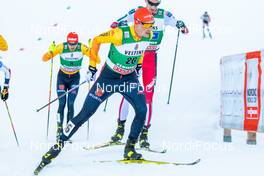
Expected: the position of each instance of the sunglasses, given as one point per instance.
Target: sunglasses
(153, 4)
(147, 25)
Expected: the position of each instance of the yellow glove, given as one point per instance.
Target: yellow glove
(90, 42)
(52, 47)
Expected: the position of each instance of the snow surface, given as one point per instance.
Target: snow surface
(188, 127)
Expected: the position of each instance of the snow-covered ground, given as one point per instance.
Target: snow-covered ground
(188, 127)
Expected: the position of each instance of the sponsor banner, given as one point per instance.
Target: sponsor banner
(241, 92)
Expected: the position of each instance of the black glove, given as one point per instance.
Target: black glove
(139, 70)
(91, 74)
(181, 25)
(4, 93)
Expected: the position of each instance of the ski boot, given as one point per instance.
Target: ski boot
(130, 152)
(49, 156)
(118, 136)
(143, 139)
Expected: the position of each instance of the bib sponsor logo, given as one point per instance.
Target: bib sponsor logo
(155, 36)
(150, 86)
(61, 87)
(134, 53)
(99, 92)
(122, 71)
(95, 97)
(70, 126)
(152, 47)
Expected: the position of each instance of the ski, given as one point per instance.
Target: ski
(144, 161)
(39, 168)
(109, 144)
(99, 146)
(152, 150)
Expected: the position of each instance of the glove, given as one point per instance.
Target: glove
(117, 24)
(52, 47)
(4, 93)
(90, 76)
(180, 25)
(139, 70)
(114, 25)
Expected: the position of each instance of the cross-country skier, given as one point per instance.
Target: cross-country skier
(118, 75)
(71, 57)
(206, 19)
(163, 18)
(5, 70)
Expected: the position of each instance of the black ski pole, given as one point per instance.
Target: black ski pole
(14, 131)
(105, 105)
(72, 89)
(172, 74)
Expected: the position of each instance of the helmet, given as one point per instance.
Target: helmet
(143, 15)
(72, 38)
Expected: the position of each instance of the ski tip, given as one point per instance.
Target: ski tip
(197, 161)
(164, 151)
(36, 171)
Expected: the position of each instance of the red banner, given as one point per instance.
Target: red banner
(252, 91)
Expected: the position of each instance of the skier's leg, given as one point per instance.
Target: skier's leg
(204, 31)
(149, 68)
(138, 101)
(72, 96)
(209, 32)
(136, 97)
(56, 149)
(123, 113)
(149, 80)
(61, 88)
(123, 110)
